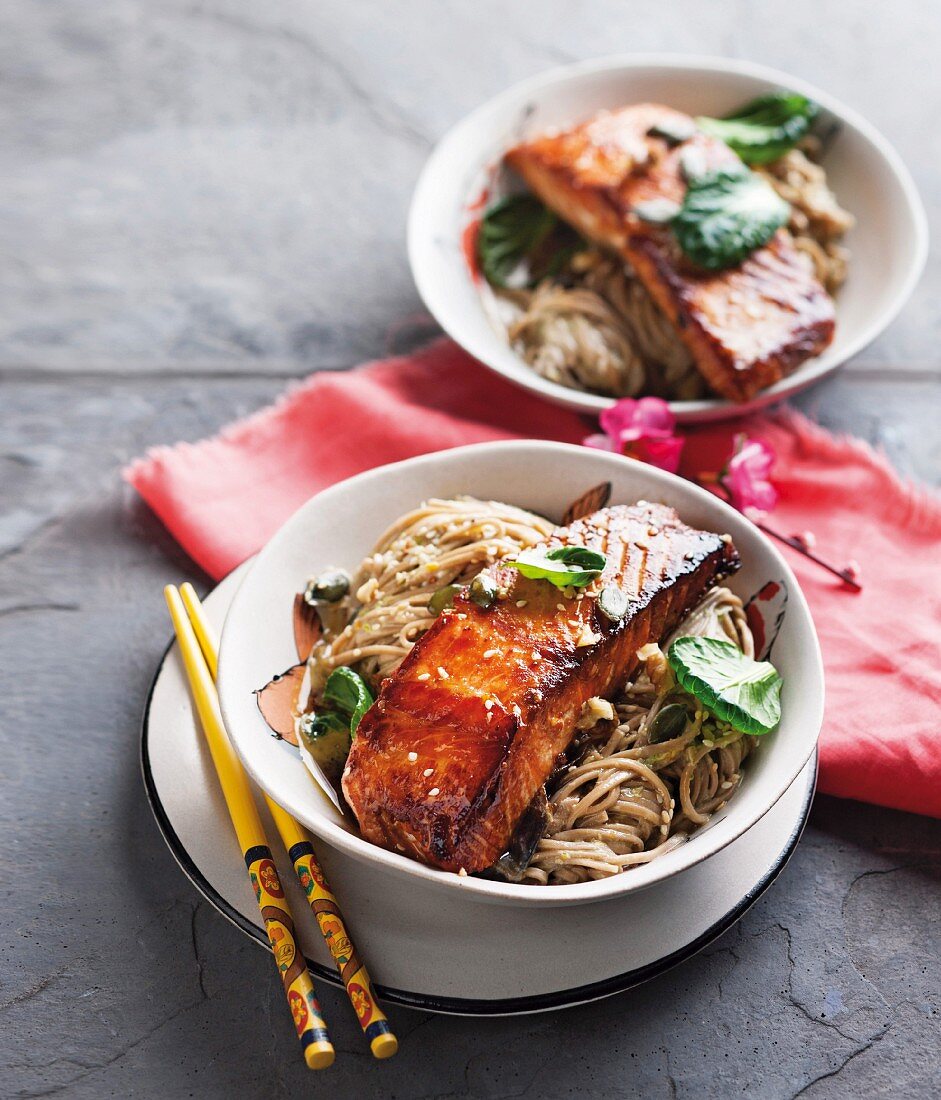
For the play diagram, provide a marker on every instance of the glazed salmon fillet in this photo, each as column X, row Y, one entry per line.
column 745, row 327
column 468, row 729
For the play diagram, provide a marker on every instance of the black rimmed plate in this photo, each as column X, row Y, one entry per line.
column 429, row 951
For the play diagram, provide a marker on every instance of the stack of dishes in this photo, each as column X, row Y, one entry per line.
column 626, row 826
column 431, row 934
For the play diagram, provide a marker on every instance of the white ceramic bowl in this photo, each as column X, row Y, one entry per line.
column 889, row 242
column 339, row 527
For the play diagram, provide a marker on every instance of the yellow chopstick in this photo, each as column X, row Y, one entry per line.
column 326, row 909
column 298, row 984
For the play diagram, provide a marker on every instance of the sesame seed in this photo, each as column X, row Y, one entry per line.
column 520, row 603
column 434, row 791
column 462, row 873
column 665, row 817
column 560, row 606
column 491, row 653
column 423, row 676
column 488, row 703
column 413, row 756
column 427, row 772
column 442, row 674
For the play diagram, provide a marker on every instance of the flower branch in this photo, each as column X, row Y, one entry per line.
column 645, row 429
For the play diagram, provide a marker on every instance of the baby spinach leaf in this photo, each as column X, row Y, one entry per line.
column 737, row 689
column 577, row 555
column 726, row 215
column 521, row 237
column 346, row 692
column 562, row 566
column 765, row 128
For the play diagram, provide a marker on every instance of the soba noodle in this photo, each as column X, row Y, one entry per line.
column 595, row 327
column 623, row 799
column 628, row 800
column 440, row 543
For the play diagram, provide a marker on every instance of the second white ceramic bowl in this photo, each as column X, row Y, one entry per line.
column 888, row 243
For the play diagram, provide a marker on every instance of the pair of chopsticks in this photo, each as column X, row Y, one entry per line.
column 199, row 649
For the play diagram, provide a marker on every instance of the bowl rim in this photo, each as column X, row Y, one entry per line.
column 232, row 695
column 685, row 411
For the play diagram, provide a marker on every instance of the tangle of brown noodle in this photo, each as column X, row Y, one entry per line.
column 439, row 543
column 597, row 328
column 627, row 801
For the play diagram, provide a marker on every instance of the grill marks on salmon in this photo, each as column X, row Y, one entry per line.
column 468, row 729
column 746, row 327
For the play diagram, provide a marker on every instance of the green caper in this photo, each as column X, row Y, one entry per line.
column 483, row 590
column 315, row 725
column 613, row 603
column 328, row 587
column 443, row 598
column 669, row 723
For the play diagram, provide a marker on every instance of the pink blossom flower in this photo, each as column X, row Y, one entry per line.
column 641, row 429
column 806, row 540
column 852, row 572
column 746, row 476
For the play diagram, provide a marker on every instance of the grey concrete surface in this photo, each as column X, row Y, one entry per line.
column 202, row 200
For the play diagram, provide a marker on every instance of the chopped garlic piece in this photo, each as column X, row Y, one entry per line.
column 586, row 637
column 366, row 592
column 658, row 670
column 594, row 710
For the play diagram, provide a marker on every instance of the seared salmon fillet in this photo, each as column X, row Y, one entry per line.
column 467, row 730
column 746, row 327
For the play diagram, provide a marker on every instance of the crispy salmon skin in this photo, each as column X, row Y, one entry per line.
column 746, row 327
column 467, row 730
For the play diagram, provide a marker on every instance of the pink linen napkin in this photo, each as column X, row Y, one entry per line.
column 224, row 497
